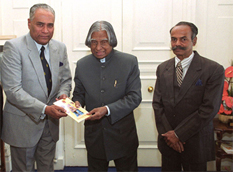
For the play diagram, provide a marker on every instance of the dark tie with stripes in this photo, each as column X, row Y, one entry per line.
column 179, row 73
column 47, row 72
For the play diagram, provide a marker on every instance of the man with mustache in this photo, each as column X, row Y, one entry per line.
column 187, row 97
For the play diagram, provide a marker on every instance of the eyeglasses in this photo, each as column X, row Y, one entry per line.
column 103, row 43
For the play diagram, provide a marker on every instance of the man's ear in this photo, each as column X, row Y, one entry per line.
column 29, row 23
column 194, row 41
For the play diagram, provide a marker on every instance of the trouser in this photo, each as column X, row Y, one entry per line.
column 126, row 163
column 177, row 164
column 23, row 159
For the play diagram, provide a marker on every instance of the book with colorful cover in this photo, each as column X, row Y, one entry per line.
column 78, row 114
column 227, row 147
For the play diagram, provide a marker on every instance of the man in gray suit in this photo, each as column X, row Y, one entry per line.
column 107, row 82
column 187, row 97
column 31, row 121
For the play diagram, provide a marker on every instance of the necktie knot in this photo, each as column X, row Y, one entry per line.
column 42, row 48
column 179, row 65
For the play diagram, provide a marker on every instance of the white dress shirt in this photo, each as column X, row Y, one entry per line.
column 185, row 63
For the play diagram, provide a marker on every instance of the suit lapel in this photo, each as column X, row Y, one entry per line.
column 169, row 79
column 191, row 76
column 54, row 65
column 36, row 62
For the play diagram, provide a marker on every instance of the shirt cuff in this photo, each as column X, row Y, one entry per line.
column 42, row 116
column 108, row 111
column 176, row 135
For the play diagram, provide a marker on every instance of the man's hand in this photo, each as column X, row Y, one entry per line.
column 97, row 113
column 173, row 141
column 63, row 96
column 55, row 111
column 77, row 104
column 178, row 147
column 170, row 137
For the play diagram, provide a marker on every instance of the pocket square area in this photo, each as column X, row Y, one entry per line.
column 198, row 83
column 60, row 64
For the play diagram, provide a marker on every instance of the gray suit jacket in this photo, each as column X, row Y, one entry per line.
column 115, row 83
column 24, row 84
column 191, row 113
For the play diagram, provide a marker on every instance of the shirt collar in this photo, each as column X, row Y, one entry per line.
column 185, row 61
column 39, row 46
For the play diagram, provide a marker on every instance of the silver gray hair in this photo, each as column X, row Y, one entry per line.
column 102, row 25
column 43, row 6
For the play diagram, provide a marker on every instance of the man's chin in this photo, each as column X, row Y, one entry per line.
column 100, row 56
column 179, row 51
column 43, row 41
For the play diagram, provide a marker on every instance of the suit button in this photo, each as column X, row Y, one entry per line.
column 102, row 67
column 104, row 78
column 102, row 91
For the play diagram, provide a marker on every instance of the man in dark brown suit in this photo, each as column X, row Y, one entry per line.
column 185, row 102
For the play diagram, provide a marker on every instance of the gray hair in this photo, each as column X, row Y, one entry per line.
column 192, row 26
column 43, row 6
column 102, row 25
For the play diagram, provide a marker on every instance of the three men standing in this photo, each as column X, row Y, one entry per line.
column 187, row 97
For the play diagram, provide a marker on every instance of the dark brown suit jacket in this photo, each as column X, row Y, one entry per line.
column 191, row 112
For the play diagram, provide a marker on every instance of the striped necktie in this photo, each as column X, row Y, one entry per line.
column 47, row 72
column 179, row 73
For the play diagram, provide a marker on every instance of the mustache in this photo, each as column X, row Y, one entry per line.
column 178, row 47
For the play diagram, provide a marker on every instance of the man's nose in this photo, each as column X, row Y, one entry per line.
column 45, row 29
column 98, row 46
column 177, row 42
